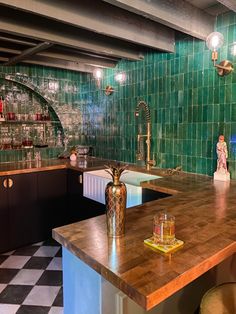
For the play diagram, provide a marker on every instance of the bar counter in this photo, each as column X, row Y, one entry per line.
column 205, row 212
column 81, row 164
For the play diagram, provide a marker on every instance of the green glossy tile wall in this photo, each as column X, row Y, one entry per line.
column 190, row 106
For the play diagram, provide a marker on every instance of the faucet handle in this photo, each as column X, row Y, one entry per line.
column 152, row 162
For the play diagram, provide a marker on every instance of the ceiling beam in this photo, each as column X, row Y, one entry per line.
column 28, row 52
column 230, row 4
column 69, row 56
column 17, row 41
column 76, row 57
column 11, row 51
column 62, row 64
column 177, row 14
column 65, row 35
column 54, row 64
column 99, row 17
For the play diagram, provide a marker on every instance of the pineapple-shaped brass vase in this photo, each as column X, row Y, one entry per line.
column 115, row 197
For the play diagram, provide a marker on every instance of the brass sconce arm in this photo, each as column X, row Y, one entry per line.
column 224, row 67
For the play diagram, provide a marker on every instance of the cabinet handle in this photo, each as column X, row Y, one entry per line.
column 10, row 183
column 81, row 179
column 5, row 183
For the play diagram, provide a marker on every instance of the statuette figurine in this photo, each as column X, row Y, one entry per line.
column 221, row 172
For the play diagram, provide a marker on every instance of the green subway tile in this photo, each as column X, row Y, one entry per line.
column 233, row 112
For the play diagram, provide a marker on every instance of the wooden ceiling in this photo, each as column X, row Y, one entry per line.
column 81, row 35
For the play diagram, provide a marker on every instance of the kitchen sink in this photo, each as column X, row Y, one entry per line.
column 95, row 183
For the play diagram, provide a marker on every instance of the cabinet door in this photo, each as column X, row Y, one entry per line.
column 80, row 207
column 52, row 189
column 24, row 215
column 74, row 183
column 4, row 216
column 75, row 194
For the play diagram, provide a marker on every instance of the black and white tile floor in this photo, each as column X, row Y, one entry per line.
column 31, row 280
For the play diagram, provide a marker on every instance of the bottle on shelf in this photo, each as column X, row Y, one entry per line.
column 1, row 110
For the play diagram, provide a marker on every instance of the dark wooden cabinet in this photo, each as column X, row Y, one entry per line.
column 4, row 216
column 23, row 209
column 52, row 200
column 18, row 211
column 32, row 204
column 80, row 207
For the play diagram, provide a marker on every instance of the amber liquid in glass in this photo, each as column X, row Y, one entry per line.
column 164, row 229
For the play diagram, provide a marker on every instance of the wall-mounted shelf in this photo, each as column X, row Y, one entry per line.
column 29, row 122
column 26, row 102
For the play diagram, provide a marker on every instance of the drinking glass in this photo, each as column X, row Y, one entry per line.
column 164, row 229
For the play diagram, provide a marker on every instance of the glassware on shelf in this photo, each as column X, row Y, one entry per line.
column 59, row 142
column 50, row 138
column 37, row 156
column 6, row 141
column 11, row 116
column 46, row 115
column 28, row 120
column 27, row 141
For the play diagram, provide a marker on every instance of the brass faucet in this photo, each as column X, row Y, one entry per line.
column 149, row 162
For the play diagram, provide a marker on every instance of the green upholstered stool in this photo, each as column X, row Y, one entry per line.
column 220, row 300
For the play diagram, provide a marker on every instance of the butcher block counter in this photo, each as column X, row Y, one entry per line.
column 205, row 213
column 81, row 164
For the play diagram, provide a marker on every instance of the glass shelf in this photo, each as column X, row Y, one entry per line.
column 29, row 122
column 23, row 148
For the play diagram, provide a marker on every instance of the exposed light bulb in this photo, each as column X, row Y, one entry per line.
column 214, row 41
column 120, row 77
column 97, row 73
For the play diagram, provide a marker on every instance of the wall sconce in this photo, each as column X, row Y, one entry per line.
column 214, row 41
column 109, row 90
column 120, row 77
column 97, row 74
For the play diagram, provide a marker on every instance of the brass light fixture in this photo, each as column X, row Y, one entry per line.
column 109, row 90
column 214, row 41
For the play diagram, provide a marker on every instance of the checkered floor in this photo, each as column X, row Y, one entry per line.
column 31, row 280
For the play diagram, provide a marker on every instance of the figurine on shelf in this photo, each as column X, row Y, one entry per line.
column 221, row 173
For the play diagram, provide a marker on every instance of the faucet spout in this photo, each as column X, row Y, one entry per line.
column 143, row 105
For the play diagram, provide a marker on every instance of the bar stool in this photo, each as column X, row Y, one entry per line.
column 219, row 300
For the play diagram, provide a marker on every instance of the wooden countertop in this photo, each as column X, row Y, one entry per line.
column 205, row 221
column 81, row 164
column 205, row 212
